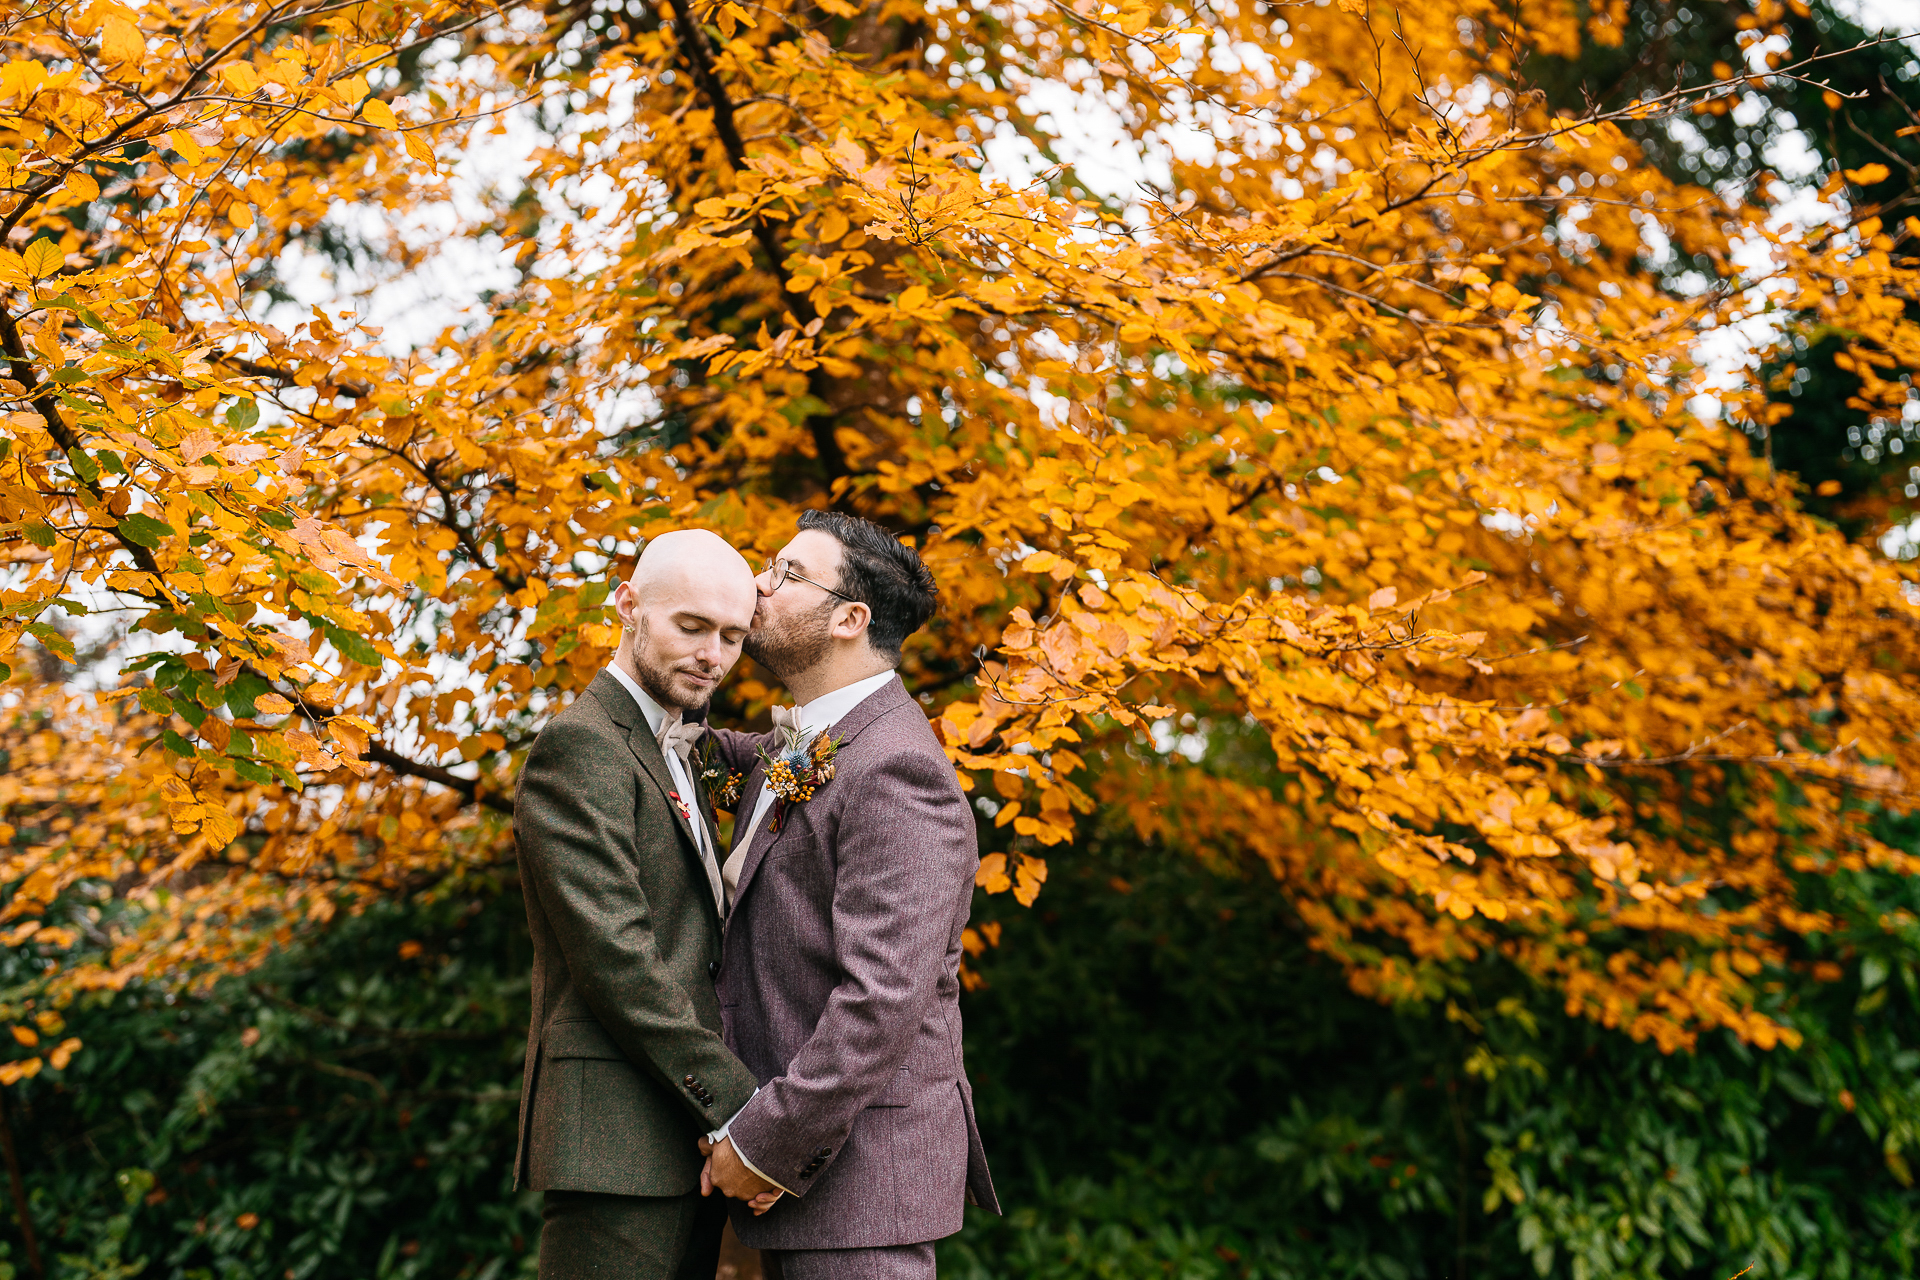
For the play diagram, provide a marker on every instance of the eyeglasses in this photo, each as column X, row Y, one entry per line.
column 780, row 570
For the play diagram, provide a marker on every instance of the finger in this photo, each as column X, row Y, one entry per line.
column 706, row 1178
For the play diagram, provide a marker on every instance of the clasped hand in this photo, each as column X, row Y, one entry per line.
column 727, row 1172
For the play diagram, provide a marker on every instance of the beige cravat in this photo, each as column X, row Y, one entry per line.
column 679, row 738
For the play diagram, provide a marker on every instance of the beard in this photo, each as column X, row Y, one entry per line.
column 662, row 683
column 786, row 649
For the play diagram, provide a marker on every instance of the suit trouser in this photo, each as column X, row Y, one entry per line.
column 894, row 1262
column 589, row 1235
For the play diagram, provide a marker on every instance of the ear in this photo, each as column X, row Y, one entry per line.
column 850, row 621
column 624, row 605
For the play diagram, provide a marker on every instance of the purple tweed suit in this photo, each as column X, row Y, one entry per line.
column 839, row 988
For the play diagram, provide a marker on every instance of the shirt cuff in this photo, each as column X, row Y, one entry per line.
column 714, row 1139
column 721, row 1132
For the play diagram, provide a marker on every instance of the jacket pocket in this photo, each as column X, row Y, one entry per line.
column 782, row 847
column 898, row 1093
column 579, row 1038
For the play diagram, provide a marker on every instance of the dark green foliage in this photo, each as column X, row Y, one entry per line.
column 1171, row 1085
column 1176, row 1086
column 358, row 1101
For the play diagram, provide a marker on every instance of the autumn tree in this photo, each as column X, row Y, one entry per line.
column 1374, row 415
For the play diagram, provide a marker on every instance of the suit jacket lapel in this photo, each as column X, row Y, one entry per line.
column 844, row 730
column 646, row 749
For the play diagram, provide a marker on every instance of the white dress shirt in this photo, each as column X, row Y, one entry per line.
column 817, row 716
column 657, row 716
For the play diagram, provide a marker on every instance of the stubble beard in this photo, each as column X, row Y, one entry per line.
column 658, row 681
column 786, row 651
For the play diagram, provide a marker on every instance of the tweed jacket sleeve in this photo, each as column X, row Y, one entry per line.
column 738, row 751
column 578, row 847
column 904, row 850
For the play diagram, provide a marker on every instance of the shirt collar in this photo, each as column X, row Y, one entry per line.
column 655, row 713
column 824, row 711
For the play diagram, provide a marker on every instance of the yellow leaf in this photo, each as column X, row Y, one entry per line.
column 82, row 186
column 1031, row 874
column 240, row 215
column 121, row 41
column 992, row 875
column 12, row 1072
column 1868, row 174
column 240, row 77
column 417, row 147
column 379, row 114
column 26, row 1036
column 43, row 258
column 1383, row 598
column 273, row 704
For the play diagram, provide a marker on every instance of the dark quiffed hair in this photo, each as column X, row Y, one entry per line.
column 883, row 573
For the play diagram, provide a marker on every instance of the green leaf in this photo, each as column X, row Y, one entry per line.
column 1873, row 972
column 145, row 531
column 40, row 534
column 55, row 643
column 110, row 462
column 243, row 414
column 6, row 672
column 177, row 744
column 155, row 701
column 241, row 694
column 83, row 465
column 254, row 771
column 354, row 648
column 187, row 709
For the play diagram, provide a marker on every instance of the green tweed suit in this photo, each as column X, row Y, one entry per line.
column 625, row 1063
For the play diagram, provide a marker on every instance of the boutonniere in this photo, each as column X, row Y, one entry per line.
column 723, row 785
column 798, row 767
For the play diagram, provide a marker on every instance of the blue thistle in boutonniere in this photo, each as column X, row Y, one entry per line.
column 801, row 763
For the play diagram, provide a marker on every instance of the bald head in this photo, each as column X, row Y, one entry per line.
column 685, row 611
column 690, row 559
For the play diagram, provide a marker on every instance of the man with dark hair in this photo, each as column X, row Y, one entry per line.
column 850, row 879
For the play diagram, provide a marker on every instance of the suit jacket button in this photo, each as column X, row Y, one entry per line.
column 713, row 968
column 823, row 1153
column 687, row 1081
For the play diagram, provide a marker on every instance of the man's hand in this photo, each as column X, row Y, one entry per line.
column 725, row 1170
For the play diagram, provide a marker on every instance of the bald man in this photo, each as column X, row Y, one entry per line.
column 626, row 1068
